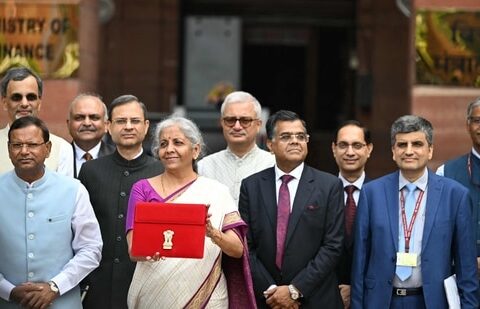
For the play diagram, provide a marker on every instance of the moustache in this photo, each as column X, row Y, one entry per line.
column 87, row 130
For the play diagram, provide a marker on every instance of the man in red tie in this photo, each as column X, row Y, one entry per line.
column 351, row 149
column 295, row 215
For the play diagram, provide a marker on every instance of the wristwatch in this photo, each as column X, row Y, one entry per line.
column 53, row 287
column 294, row 294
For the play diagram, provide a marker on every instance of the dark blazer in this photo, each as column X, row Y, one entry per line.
column 314, row 236
column 105, row 149
column 344, row 267
column 447, row 239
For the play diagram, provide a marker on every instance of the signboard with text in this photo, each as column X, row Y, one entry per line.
column 448, row 48
column 40, row 34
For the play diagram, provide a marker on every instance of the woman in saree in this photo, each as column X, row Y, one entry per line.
column 221, row 279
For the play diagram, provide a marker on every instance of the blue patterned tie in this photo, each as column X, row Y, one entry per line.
column 404, row 272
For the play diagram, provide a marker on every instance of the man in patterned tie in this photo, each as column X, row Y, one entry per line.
column 411, row 227
column 295, row 223
column 87, row 124
column 351, row 149
column 241, row 122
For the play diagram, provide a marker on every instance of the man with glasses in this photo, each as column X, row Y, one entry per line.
column 351, row 149
column 87, row 124
column 413, row 230
column 466, row 169
column 108, row 180
column 241, row 123
column 21, row 91
column 50, row 238
column 295, row 223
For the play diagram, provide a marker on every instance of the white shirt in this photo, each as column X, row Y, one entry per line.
column 79, row 152
column 292, row 185
column 357, row 183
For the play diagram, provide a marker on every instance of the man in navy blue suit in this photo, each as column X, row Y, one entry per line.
column 411, row 227
column 294, row 239
column 351, row 148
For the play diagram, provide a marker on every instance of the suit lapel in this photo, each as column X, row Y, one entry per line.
column 391, row 194
column 74, row 160
column 434, row 188
column 268, row 194
column 304, row 191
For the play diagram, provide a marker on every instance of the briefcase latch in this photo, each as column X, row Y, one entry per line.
column 168, row 239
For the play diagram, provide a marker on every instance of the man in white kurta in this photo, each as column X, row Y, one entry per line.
column 21, row 95
column 241, row 123
column 50, row 237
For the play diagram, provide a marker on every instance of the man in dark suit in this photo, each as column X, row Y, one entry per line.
column 351, row 149
column 466, row 168
column 109, row 180
column 294, row 243
column 411, row 227
column 87, row 124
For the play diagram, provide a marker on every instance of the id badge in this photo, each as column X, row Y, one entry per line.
column 407, row 259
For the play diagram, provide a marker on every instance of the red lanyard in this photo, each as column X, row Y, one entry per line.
column 407, row 231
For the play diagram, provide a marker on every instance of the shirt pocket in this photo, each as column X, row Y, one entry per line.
column 55, row 219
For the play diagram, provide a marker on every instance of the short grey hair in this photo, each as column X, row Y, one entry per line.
column 471, row 107
column 88, row 95
column 409, row 124
column 188, row 127
column 242, row 97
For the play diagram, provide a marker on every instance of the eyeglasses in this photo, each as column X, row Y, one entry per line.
column 124, row 121
column 30, row 146
column 288, row 137
column 474, row 120
column 245, row 122
column 17, row 97
column 345, row 145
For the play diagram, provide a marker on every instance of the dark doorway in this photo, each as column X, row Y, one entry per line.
column 275, row 75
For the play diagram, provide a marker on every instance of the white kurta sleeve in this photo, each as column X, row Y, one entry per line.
column 86, row 244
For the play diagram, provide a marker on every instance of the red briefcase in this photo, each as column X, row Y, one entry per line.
column 174, row 230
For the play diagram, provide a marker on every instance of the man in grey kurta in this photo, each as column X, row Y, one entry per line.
column 50, row 239
column 109, row 180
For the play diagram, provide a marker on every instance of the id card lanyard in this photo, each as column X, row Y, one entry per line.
column 407, row 230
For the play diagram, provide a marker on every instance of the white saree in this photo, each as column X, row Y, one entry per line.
column 187, row 283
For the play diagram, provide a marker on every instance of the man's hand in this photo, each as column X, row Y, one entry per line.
column 345, row 293
column 37, row 295
column 20, row 292
column 478, row 266
column 279, row 298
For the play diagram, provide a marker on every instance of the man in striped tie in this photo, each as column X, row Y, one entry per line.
column 413, row 230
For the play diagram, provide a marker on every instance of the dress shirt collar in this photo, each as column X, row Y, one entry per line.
column 296, row 172
column 475, row 153
column 420, row 182
column 79, row 152
column 357, row 183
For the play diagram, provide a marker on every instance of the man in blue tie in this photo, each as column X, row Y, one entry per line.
column 411, row 227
